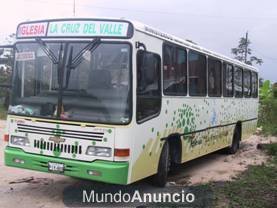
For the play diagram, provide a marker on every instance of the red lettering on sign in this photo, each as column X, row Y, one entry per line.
column 31, row 30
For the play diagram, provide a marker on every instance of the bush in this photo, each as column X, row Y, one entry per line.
column 274, row 90
column 268, row 108
column 271, row 149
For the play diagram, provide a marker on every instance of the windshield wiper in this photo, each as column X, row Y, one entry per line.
column 61, row 66
column 47, row 51
column 74, row 62
column 60, row 61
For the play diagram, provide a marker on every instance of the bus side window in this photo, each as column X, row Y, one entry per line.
column 228, row 81
column 167, row 58
column 174, row 70
column 246, row 83
column 197, row 74
column 254, row 85
column 238, row 82
column 148, row 85
column 214, row 79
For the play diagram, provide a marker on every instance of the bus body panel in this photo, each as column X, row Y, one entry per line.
column 204, row 125
column 146, row 136
column 103, row 170
column 53, row 138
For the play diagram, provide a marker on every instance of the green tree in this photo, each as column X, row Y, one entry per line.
column 10, row 39
column 268, row 108
column 6, row 64
column 243, row 51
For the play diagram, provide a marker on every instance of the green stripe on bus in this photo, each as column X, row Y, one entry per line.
column 111, row 172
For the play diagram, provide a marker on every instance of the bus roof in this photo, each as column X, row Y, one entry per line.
column 171, row 38
column 43, row 28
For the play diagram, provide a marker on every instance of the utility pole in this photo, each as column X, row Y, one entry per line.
column 246, row 47
column 73, row 8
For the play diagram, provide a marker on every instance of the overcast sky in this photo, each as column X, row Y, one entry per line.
column 214, row 24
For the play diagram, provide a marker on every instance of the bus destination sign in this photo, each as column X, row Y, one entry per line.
column 32, row 30
column 74, row 28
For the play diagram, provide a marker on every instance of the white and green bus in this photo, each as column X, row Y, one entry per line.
column 117, row 101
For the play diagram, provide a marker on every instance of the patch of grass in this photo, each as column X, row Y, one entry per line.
column 255, row 188
column 3, row 112
column 271, row 149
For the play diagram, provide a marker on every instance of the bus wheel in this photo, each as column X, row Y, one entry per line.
column 235, row 143
column 160, row 178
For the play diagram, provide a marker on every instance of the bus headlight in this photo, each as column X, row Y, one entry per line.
column 20, row 141
column 99, row 151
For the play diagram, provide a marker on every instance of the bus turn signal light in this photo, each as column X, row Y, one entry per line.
column 121, row 152
column 6, row 138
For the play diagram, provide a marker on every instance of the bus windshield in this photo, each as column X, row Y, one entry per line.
column 95, row 83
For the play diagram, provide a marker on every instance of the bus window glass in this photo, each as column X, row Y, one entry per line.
column 148, row 85
column 214, row 77
column 95, row 89
column 197, row 74
column 168, row 56
column 254, row 85
column 246, row 83
column 174, row 70
column 228, row 80
column 238, row 82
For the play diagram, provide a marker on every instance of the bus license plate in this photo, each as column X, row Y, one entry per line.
column 55, row 167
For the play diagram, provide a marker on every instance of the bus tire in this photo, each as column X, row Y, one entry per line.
column 160, row 178
column 233, row 148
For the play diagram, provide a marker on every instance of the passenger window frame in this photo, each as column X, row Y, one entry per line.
column 174, row 61
column 156, row 114
column 250, row 82
column 220, row 77
column 205, row 74
column 236, row 68
column 224, row 92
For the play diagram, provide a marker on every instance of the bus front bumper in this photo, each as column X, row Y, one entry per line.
column 107, row 171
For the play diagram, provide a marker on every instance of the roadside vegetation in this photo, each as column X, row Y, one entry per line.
column 3, row 112
column 255, row 188
column 268, row 108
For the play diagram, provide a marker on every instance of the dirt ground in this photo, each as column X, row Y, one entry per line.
column 222, row 167
column 27, row 188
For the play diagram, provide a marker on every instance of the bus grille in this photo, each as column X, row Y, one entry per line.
column 62, row 148
column 86, row 135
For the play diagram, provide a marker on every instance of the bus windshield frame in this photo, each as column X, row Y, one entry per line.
column 85, row 84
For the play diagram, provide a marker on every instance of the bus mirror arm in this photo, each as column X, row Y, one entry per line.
column 140, row 44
